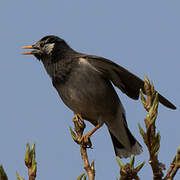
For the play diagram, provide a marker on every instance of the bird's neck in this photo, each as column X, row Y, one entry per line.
column 60, row 66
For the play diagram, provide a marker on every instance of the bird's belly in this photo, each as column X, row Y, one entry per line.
column 89, row 95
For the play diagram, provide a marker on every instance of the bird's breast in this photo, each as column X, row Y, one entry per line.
column 86, row 91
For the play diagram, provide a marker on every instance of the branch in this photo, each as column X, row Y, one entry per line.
column 3, row 175
column 30, row 162
column 128, row 171
column 84, row 144
column 174, row 166
column 151, row 137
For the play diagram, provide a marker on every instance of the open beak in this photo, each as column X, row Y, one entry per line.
column 28, row 52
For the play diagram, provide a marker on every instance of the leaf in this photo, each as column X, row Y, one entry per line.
column 143, row 99
column 141, row 131
column 152, row 121
column 18, row 177
column 146, row 79
column 3, row 175
column 119, row 162
column 73, row 134
column 131, row 163
column 139, row 167
column 81, row 176
column 178, row 156
column 152, row 89
column 27, row 154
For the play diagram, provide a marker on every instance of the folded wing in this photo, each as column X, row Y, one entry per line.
column 127, row 82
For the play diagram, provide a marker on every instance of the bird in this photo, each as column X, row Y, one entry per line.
column 85, row 85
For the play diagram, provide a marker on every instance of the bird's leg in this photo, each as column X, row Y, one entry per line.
column 77, row 117
column 80, row 121
column 84, row 143
column 85, row 139
column 88, row 135
column 79, row 127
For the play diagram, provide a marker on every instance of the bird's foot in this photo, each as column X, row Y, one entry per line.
column 85, row 141
column 77, row 119
column 79, row 128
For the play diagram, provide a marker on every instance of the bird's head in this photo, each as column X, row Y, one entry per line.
column 46, row 47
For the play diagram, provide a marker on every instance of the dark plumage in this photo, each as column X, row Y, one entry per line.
column 84, row 83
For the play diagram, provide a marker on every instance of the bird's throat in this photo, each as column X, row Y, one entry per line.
column 59, row 70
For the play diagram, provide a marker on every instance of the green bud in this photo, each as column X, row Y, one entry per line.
column 3, row 175
column 18, row 177
column 73, row 134
column 81, row 176
column 139, row 167
column 119, row 162
column 131, row 163
column 141, row 131
column 143, row 99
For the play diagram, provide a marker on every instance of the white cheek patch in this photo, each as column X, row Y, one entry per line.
column 49, row 48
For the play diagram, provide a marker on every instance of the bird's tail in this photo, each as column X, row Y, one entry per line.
column 123, row 141
column 123, row 152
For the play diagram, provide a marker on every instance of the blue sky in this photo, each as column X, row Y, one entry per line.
column 142, row 36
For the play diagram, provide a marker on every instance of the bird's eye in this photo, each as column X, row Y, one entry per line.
column 42, row 44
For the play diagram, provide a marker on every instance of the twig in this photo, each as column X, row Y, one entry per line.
column 3, row 175
column 84, row 143
column 89, row 168
column 18, row 177
column 174, row 166
column 128, row 171
column 30, row 162
column 171, row 167
column 151, row 138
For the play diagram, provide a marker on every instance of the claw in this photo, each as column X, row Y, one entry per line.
column 83, row 141
column 86, row 142
column 77, row 118
column 79, row 128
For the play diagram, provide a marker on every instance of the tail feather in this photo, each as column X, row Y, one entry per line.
column 122, row 151
column 123, row 141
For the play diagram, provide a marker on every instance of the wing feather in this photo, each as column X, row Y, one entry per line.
column 126, row 81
